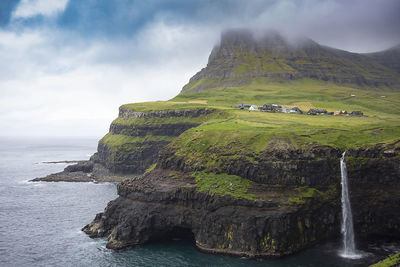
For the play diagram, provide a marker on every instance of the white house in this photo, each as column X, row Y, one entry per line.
column 253, row 107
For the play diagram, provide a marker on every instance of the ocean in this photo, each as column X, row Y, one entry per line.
column 40, row 222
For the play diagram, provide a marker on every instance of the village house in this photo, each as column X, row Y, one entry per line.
column 292, row 110
column 295, row 110
column 253, row 108
column 356, row 113
column 242, row 106
column 317, row 112
column 340, row 113
column 271, row 108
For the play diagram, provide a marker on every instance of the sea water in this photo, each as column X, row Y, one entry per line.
column 40, row 222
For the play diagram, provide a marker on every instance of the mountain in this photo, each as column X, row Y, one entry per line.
column 242, row 55
column 389, row 58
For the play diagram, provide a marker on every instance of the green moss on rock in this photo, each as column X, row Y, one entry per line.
column 393, row 260
column 223, row 184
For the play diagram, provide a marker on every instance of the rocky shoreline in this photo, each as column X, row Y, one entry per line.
column 280, row 219
column 291, row 199
column 83, row 171
column 154, row 207
column 279, row 201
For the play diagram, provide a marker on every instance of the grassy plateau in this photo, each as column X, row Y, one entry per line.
column 229, row 132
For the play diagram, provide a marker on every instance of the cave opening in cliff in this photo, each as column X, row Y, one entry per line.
column 178, row 233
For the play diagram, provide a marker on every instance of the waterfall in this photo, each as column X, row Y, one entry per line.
column 349, row 246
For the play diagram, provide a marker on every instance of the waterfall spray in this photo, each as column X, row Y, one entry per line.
column 349, row 247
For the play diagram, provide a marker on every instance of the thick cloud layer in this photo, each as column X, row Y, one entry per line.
column 68, row 64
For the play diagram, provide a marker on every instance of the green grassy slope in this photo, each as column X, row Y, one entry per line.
column 230, row 132
column 239, row 130
column 241, row 57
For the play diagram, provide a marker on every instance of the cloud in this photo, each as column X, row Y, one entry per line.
column 31, row 8
column 53, row 77
column 68, row 74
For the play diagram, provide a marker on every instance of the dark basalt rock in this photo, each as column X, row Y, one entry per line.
column 314, row 166
column 134, row 159
column 86, row 166
column 157, row 206
column 143, row 130
column 153, row 206
column 129, row 113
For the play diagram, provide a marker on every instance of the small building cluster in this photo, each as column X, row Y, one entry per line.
column 295, row 110
column 344, row 113
column 319, row 112
column 270, row 108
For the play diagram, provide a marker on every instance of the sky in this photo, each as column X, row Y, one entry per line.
column 67, row 65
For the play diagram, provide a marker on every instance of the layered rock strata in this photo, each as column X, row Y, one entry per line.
column 276, row 222
column 314, row 166
column 134, row 141
column 132, row 144
column 155, row 206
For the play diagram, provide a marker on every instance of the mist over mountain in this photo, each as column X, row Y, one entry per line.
column 389, row 57
column 243, row 54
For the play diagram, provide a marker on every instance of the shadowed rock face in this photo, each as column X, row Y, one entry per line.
column 134, row 161
column 153, row 206
column 128, row 113
column 315, row 166
column 160, row 129
column 389, row 58
column 136, row 156
column 242, row 55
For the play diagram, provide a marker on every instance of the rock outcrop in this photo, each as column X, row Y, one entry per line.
column 315, row 166
column 156, row 206
column 132, row 144
column 281, row 218
column 136, row 137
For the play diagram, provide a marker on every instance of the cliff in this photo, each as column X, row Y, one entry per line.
column 247, row 182
column 265, row 218
column 136, row 137
column 133, row 143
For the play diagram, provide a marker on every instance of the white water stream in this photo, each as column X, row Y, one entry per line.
column 349, row 246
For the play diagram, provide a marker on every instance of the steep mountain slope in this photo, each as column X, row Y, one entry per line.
column 389, row 58
column 241, row 56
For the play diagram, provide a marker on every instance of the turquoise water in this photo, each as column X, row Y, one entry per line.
column 40, row 222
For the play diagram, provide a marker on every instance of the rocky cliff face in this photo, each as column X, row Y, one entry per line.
column 242, row 55
column 134, row 140
column 389, row 58
column 375, row 190
column 278, row 220
column 132, row 145
column 155, row 206
column 315, row 166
